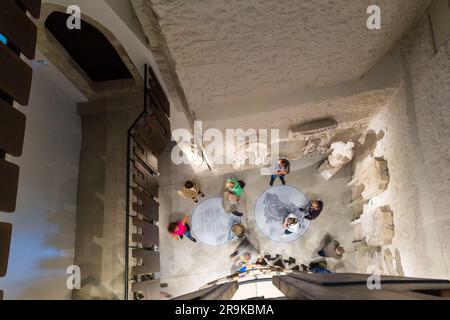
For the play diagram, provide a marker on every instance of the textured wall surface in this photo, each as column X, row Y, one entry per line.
column 430, row 76
column 416, row 127
column 227, row 50
column 419, row 248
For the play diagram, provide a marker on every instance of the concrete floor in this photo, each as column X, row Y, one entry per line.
column 187, row 266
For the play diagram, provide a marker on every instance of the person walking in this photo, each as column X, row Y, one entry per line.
column 180, row 229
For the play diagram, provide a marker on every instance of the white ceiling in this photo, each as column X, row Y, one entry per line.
column 228, row 50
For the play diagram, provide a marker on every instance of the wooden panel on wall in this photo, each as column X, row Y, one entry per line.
column 12, row 129
column 143, row 154
column 143, row 178
column 145, row 205
column 15, row 75
column 9, row 182
column 160, row 117
column 161, row 120
column 33, row 6
column 157, row 93
column 18, row 28
column 149, row 262
column 152, row 136
column 5, row 244
column 157, row 140
column 149, row 137
column 148, row 235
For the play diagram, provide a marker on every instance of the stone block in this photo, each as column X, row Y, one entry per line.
column 377, row 226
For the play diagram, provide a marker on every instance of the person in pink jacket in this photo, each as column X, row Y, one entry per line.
column 180, row 229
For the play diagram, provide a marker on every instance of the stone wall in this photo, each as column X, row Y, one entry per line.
column 100, row 235
column 430, row 81
column 413, row 134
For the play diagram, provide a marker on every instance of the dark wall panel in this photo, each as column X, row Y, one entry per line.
column 148, row 262
column 146, row 205
column 15, row 75
column 148, row 138
column 18, row 28
column 12, row 129
column 5, row 244
column 15, row 84
column 33, row 6
column 8, row 185
column 148, row 233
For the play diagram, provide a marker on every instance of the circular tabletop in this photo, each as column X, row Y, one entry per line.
column 211, row 224
column 274, row 206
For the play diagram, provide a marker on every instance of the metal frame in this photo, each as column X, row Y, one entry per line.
column 127, row 218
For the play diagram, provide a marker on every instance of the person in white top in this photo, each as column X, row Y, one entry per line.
column 291, row 224
column 342, row 153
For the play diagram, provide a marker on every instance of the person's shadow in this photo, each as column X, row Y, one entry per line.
column 325, row 240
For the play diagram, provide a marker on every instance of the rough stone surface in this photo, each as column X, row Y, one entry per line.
column 415, row 238
column 430, row 75
column 351, row 112
column 227, row 50
column 156, row 43
column 377, row 226
column 412, row 134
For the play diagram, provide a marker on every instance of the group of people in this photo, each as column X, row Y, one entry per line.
column 233, row 191
column 232, row 194
column 312, row 210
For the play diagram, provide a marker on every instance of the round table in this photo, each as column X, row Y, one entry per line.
column 210, row 224
column 272, row 208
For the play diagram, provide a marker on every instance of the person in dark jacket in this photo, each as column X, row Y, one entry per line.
column 313, row 210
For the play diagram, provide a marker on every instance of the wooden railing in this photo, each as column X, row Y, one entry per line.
column 15, row 85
